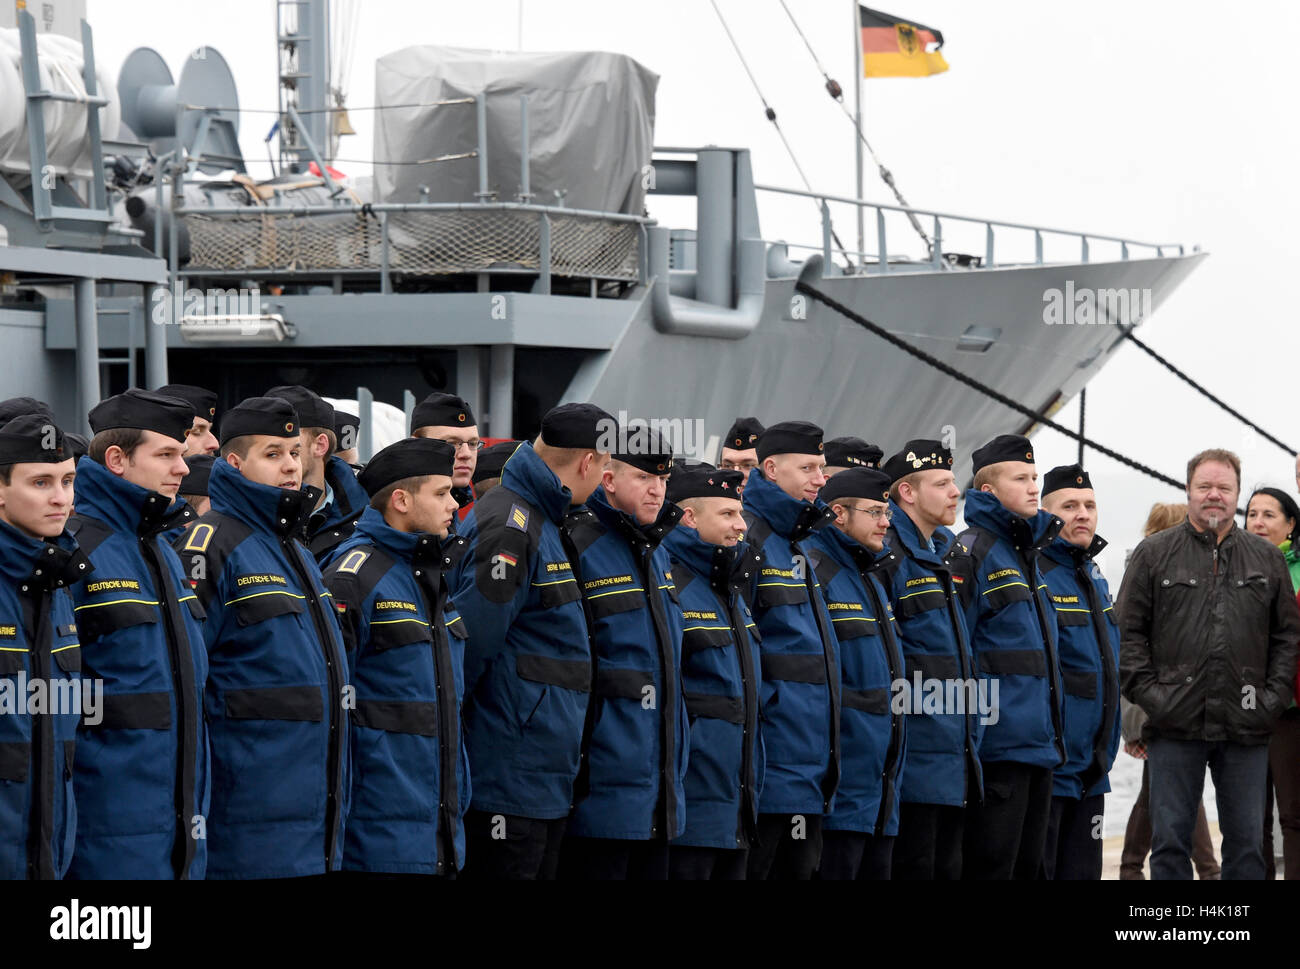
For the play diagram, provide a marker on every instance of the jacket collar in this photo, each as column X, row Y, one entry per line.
column 123, row 506
column 32, row 563
column 623, row 524
column 906, row 538
column 528, row 476
column 412, row 548
column 983, row 510
column 726, row 568
column 276, row 510
column 794, row 519
column 349, row 496
column 1067, row 553
column 1207, row 537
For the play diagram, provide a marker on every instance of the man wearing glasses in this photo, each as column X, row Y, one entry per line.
column 740, row 449
column 449, row 418
column 859, row 832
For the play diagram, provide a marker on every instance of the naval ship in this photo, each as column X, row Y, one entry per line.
column 506, row 250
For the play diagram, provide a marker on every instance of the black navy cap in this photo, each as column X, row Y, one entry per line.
column 870, row 483
column 18, row 406
column 645, row 449
column 744, row 434
column 1004, row 447
column 144, row 410
column 311, row 408
column 791, row 437
column 77, row 444
column 442, row 410
column 852, row 452
column 269, row 416
column 203, row 401
column 411, row 457
column 919, row 454
column 342, row 422
column 492, row 459
column 579, row 426
column 195, row 481
column 704, row 483
column 1065, row 476
column 32, row 439
column 688, row 464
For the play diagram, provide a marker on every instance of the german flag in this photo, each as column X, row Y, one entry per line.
column 893, row 47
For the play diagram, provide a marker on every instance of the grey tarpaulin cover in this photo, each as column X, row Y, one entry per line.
column 590, row 123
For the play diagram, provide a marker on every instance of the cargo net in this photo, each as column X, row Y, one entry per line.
column 420, row 243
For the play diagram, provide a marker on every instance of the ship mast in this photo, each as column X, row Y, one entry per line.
column 303, row 45
column 857, row 124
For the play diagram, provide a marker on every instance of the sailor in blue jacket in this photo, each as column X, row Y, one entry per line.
column 142, row 773
column 406, row 656
column 528, row 658
column 637, row 739
column 340, row 500
column 1088, row 651
column 277, row 692
column 721, row 668
column 1013, row 638
column 941, row 770
column 446, row 417
column 201, row 435
column 801, row 676
column 859, row 832
column 39, row 562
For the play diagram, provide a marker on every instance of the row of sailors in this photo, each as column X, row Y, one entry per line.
column 614, row 666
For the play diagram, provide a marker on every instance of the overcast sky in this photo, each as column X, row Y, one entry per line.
column 1161, row 121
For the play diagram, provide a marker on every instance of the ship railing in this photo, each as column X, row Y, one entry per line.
column 417, row 238
column 939, row 257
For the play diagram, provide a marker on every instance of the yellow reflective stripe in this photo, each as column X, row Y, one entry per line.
column 1108, row 609
column 797, row 585
column 273, row 592
column 1006, row 585
column 389, row 622
column 751, row 625
column 113, row 602
column 1069, row 609
column 557, row 581
column 69, row 646
column 918, row 592
column 452, row 622
column 616, row 592
column 186, row 598
column 668, row 586
column 689, row 628
column 14, row 649
column 853, row 619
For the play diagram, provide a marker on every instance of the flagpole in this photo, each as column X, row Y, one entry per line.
column 857, row 122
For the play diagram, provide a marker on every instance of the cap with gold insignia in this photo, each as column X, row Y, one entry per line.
column 790, row 437
column 645, row 449
column 1065, row 476
column 852, row 452
column 442, row 410
column 203, row 401
column 744, row 434
column 919, row 454
column 312, row 409
column 411, row 457
column 269, row 416
column 869, row 483
column 1004, row 447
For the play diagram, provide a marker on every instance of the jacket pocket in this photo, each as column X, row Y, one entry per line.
column 390, row 633
column 68, row 658
column 912, row 604
column 1005, row 593
column 397, row 716
column 570, row 674
column 854, row 627
column 797, row 668
column 11, row 661
column 622, row 684
column 781, row 594
column 276, row 703
column 1013, row 662
column 15, row 760
column 1080, row 683
column 705, row 637
column 100, row 619
column 134, row 711
column 728, row 708
column 606, row 604
column 260, row 607
column 867, row 701
column 1072, row 617
column 552, row 594
column 932, row 666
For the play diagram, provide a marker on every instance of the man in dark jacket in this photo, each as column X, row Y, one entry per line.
column 276, row 699
column 740, row 448
column 142, row 773
column 941, row 771
column 201, row 435
column 1208, row 632
column 1089, row 656
column 801, row 675
column 637, row 743
column 858, row 840
column 528, row 657
column 1013, row 638
column 446, row 417
column 405, row 646
column 712, row 568
column 39, row 562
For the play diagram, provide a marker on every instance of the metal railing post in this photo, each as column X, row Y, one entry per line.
column 1038, row 247
column 988, row 245
column 1084, row 250
column 936, row 249
column 826, row 239
column 480, row 110
column 882, row 245
column 385, row 280
column 525, row 189
column 544, row 256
